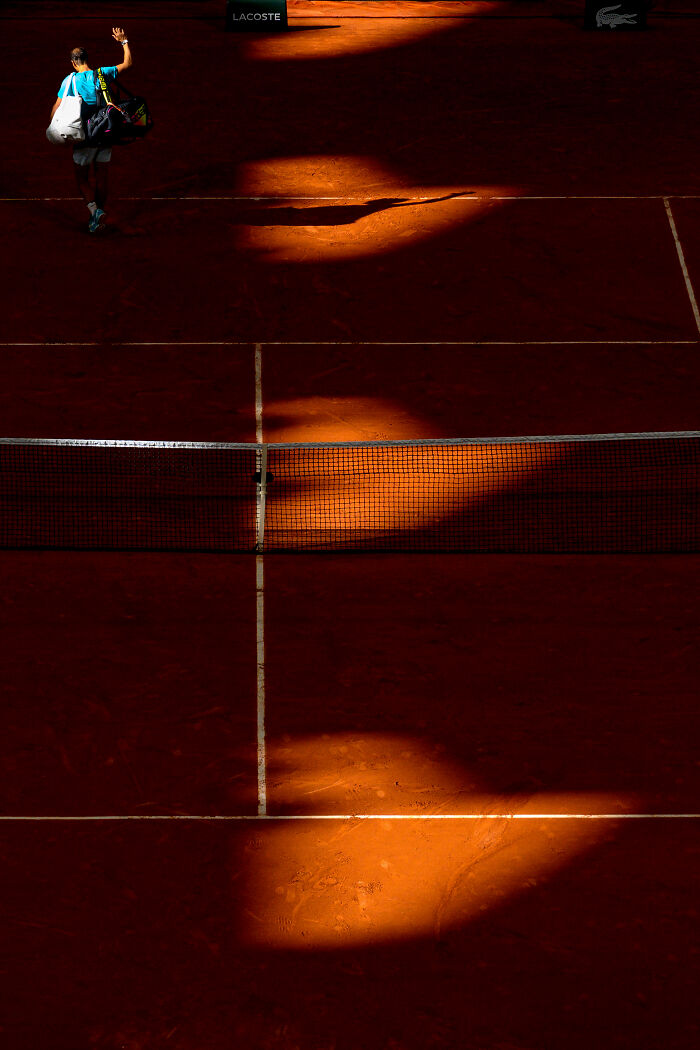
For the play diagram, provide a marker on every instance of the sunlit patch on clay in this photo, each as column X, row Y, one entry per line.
column 334, row 208
column 325, row 38
column 339, row 419
column 332, row 884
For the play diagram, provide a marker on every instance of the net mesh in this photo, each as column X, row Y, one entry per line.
column 126, row 497
column 603, row 493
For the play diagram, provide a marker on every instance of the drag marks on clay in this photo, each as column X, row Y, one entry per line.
column 372, row 882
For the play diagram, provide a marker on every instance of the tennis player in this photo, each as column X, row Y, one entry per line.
column 86, row 158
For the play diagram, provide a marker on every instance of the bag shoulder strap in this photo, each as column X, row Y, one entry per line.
column 71, row 86
column 108, row 100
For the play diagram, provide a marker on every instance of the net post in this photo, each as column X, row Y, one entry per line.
column 261, row 469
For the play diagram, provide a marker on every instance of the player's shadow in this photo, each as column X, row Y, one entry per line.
column 333, row 214
column 306, row 29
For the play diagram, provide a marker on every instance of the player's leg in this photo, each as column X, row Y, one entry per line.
column 102, row 159
column 102, row 177
column 82, row 175
column 83, row 156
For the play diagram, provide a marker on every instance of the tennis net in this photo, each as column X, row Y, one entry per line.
column 579, row 493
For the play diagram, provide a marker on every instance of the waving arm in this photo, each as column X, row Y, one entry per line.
column 120, row 36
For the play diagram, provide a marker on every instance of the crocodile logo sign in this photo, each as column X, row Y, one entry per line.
column 605, row 16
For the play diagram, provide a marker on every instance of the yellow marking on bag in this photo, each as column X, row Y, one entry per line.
column 105, row 89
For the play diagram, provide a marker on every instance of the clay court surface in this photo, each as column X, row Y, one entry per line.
column 453, row 800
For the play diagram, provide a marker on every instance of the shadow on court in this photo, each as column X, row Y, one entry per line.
column 333, row 214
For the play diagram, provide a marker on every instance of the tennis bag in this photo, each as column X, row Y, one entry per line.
column 66, row 127
column 116, row 123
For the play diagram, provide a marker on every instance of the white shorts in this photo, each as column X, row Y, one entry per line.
column 84, row 155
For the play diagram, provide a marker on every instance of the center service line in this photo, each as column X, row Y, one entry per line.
column 260, row 600
column 260, row 677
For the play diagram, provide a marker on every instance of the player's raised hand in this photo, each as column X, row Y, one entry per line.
column 119, row 35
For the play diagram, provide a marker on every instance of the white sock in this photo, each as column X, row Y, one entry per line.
column 92, row 207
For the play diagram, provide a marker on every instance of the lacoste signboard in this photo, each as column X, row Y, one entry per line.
column 256, row 16
column 605, row 15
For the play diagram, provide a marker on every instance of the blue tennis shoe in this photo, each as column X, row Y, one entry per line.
column 97, row 221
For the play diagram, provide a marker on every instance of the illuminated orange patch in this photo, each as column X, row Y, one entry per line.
column 385, row 489
column 310, row 231
column 339, row 419
column 325, row 38
column 333, row 208
column 333, row 884
column 313, row 175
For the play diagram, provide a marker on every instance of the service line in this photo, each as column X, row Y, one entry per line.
column 177, row 344
column 360, row 816
column 367, row 196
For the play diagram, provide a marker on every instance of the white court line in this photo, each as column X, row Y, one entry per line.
column 258, row 394
column 367, row 816
column 260, row 595
column 421, row 198
column 367, row 196
column 681, row 259
column 360, row 342
column 260, row 646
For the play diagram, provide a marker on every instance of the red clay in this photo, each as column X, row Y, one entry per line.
column 139, row 936
column 347, row 393
column 130, row 684
column 507, row 678
column 366, row 393
column 452, row 684
column 161, row 393
column 514, row 271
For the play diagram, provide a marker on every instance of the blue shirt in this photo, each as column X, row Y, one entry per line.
column 85, row 83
